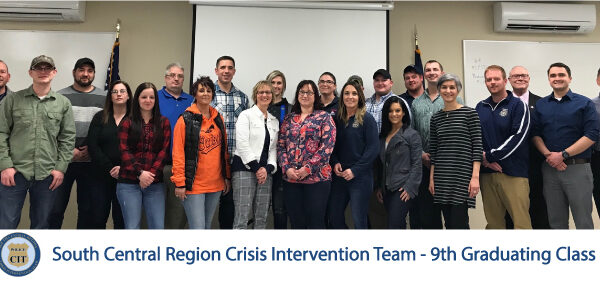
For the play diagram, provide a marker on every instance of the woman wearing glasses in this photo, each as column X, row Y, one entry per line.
column 355, row 150
column 144, row 139
column 456, row 153
column 103, row 147
column 255, row 159
column 328, row 91
column 306, row 141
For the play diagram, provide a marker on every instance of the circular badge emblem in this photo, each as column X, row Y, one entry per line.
column 19, row 254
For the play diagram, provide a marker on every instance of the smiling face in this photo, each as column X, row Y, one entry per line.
column 84, row 75
column 433, row 71
column 326, row 85
column 277, row 84
column 147, row 100
column 559, row 79
column 350, row 97
column 396, row 114
column 4, row 75
column 519, row 79
column 119, row 95
column 203, row 95
column 413, row 81
column 449, row 91
column 306, row 96
column 494, row 82
column 225, row 71
column 264, row 96
column 382, row 86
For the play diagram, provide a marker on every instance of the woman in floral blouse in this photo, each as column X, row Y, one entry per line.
column 306, row 140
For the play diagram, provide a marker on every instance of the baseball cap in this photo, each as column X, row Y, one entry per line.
column 84, row 61
column 411, row 68
column 382, row 72
column 42, row 59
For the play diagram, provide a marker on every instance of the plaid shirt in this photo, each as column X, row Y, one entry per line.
column 230, row 106
column 375, row 108
column 142, row 157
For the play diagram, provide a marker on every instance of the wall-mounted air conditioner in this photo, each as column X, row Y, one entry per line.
column 73, row 11
column 543, row 17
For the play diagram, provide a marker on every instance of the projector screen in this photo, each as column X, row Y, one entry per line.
column 302, row 43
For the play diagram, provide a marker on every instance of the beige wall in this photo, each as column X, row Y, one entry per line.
column 441, row 28
column 153, row 34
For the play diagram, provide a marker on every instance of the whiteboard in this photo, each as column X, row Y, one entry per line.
column 582, row 58
column 301, row 43
column 19, row 47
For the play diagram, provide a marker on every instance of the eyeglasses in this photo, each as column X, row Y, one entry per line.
column 173, row 75
column 519, row 76
column 302, row 93
column 43, row 68
column 122, row 91
column 329, row 82
column 264, row 93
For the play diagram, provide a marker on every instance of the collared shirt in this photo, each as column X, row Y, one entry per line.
column 172, row 108
column 409, row 98
column 147, row 154
column 596, row 102
column 36, row 135
column 230, row 106
column 422, row 109
column 375, row 107
column 562, row 123
column 524, row 97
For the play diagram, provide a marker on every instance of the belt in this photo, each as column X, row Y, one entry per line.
column 573, row 161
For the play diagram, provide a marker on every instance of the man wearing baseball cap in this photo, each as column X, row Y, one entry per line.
column 86, row 100
column 413, row 81
column 36, row 143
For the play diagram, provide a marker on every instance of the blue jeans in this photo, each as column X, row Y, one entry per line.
column 41, row 200
column 132, row 198
column 200, row 209
column 356, row 191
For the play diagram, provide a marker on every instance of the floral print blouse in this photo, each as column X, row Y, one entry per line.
column 307, row 143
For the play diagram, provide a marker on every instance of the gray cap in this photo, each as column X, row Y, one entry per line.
column 42, row 59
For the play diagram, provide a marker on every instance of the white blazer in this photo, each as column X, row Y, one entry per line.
column 250, row 136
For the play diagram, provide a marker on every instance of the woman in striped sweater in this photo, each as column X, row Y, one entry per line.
column 456, row 153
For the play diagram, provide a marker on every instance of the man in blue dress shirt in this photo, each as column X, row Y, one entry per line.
column 173, row 101
column 565, row 128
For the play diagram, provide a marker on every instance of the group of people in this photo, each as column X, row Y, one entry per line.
column 177, row 157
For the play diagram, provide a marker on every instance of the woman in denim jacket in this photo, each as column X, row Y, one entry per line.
column 399, row 163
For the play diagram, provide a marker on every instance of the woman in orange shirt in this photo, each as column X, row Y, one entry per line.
column 200, row 160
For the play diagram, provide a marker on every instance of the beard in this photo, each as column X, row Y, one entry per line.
column 84, row 84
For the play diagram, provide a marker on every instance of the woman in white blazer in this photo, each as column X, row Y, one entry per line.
column 255, row 159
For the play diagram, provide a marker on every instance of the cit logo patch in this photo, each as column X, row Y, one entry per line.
column 504, row 112
column 19, row 254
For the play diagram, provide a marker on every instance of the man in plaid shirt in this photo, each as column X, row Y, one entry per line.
column 230, row 102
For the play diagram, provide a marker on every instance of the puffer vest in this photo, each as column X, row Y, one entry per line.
column 193, row 123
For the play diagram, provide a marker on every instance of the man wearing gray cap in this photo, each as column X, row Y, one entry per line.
column 86, row 100
column 4, row 78
column 36, row 144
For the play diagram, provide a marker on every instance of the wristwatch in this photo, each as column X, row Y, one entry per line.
column 565, row 154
